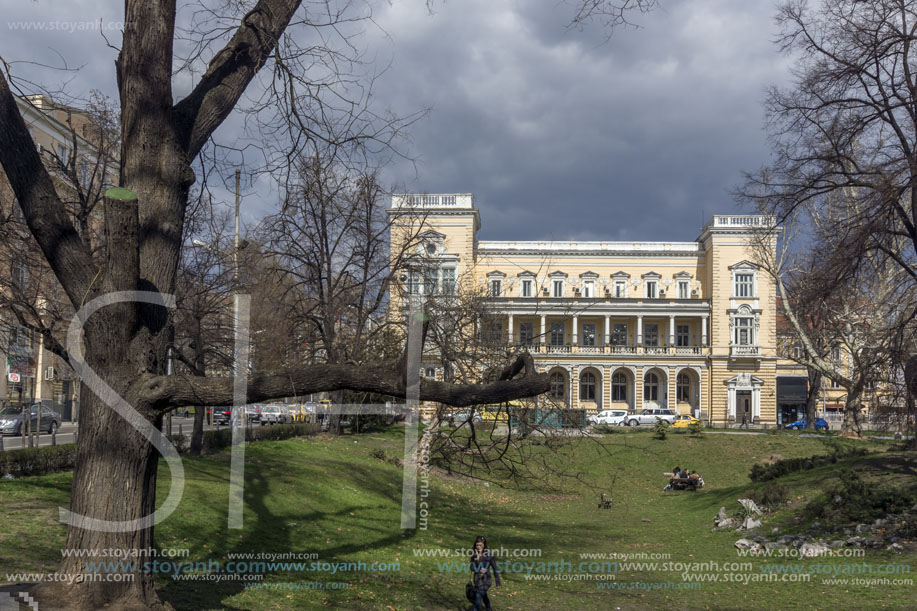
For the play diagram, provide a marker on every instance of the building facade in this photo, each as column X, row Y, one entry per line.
column 66, row 139
column 689, row 326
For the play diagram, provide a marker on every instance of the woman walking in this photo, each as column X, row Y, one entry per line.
column 482, row 561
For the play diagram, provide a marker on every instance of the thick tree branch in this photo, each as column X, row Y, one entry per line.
column 230, row 72
column 44, row 213
column 384, row 378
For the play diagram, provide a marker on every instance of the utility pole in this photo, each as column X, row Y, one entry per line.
column 236, row 305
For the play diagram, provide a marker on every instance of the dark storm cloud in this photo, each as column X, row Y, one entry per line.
column 562, row 136
column 559, row 133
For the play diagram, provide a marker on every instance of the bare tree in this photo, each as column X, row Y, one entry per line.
column 846, row 319
column 126, row 342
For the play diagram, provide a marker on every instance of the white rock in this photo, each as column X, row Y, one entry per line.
column 750, row 506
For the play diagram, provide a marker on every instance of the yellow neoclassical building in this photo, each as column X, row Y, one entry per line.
column 688, row 326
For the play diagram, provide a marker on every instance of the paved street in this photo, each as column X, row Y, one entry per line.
column 67, row 429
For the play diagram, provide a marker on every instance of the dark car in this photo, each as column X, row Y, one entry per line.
column 222, row 415
column 11, row 420
column 820, row 424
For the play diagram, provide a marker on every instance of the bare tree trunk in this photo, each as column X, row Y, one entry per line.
column 126, row 478
column 197, row 431
column 851, row 427
column 815, row 378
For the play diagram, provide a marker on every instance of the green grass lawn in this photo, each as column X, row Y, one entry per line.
column 333, row 498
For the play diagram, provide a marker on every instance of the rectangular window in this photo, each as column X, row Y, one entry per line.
column 20, row 275
column 650, row 334
column 527, row 287
column 589, row 288
column 429, row 282
column 414, row 283
column 681, row 335
column 558, row 290
column 683, row 292
column 835, row 384
column 493, row 332
column 63, row 153
column 557, row 334
column 619, row 387
column 744, row 285
column 589, row 334
column 620, row 289
column 496, row 288
column 651, row 289
column 526, row 333
column 619, row 334
column 85, row 174
column 744, row 332
column 448, row 284
column 682, row 389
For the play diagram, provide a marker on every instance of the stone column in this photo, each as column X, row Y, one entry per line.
column 638, row 332
column 607, row 331
column 671, row 330
column 703, row 334
column 543, row 338
column 509, row 328
column 574, row 342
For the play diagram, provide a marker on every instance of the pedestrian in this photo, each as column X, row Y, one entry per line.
column 482, row 561
column 744, row 421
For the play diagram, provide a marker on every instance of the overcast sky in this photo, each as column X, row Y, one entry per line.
column 558, row 133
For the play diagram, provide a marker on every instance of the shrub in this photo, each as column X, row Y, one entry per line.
column 38, row 461
column 771, row 495
column 607, row 429
column 660, row 429
column 763, row 473
column 697, row 428
column 853, row 499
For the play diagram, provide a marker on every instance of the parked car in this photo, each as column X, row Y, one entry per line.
column 684, row 421
column 500, row 412
column 613, row 417
column 221, row 415
column 272, row 414
column 253, row 413
column 294, row 413
column 650, row 416
column 461, row 416
column 11, row 421
column 820, row 424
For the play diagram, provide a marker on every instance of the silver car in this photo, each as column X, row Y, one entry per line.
column 272, row 414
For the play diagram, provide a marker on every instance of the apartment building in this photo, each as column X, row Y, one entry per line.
column 67, row 140
column 689, row 326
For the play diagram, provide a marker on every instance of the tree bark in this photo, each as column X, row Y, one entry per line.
column 815, row 378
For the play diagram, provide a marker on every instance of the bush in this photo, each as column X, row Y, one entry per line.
column 763, row 473
column 38, row 461
column 222, row 438
column 697, row 428
column 607, row 429
column 661, row 429
column 771, row 495
column 853, row 499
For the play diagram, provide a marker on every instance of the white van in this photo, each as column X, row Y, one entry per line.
column 613, row 417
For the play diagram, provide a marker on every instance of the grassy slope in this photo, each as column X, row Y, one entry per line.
column 330, row 496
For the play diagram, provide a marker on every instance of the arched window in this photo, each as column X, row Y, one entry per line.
column 587, row 387
column 683, row 387
column 651, row 387
column 558, row 386
column 619, row 387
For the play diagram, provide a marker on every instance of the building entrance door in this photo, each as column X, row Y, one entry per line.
column 743, row 403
